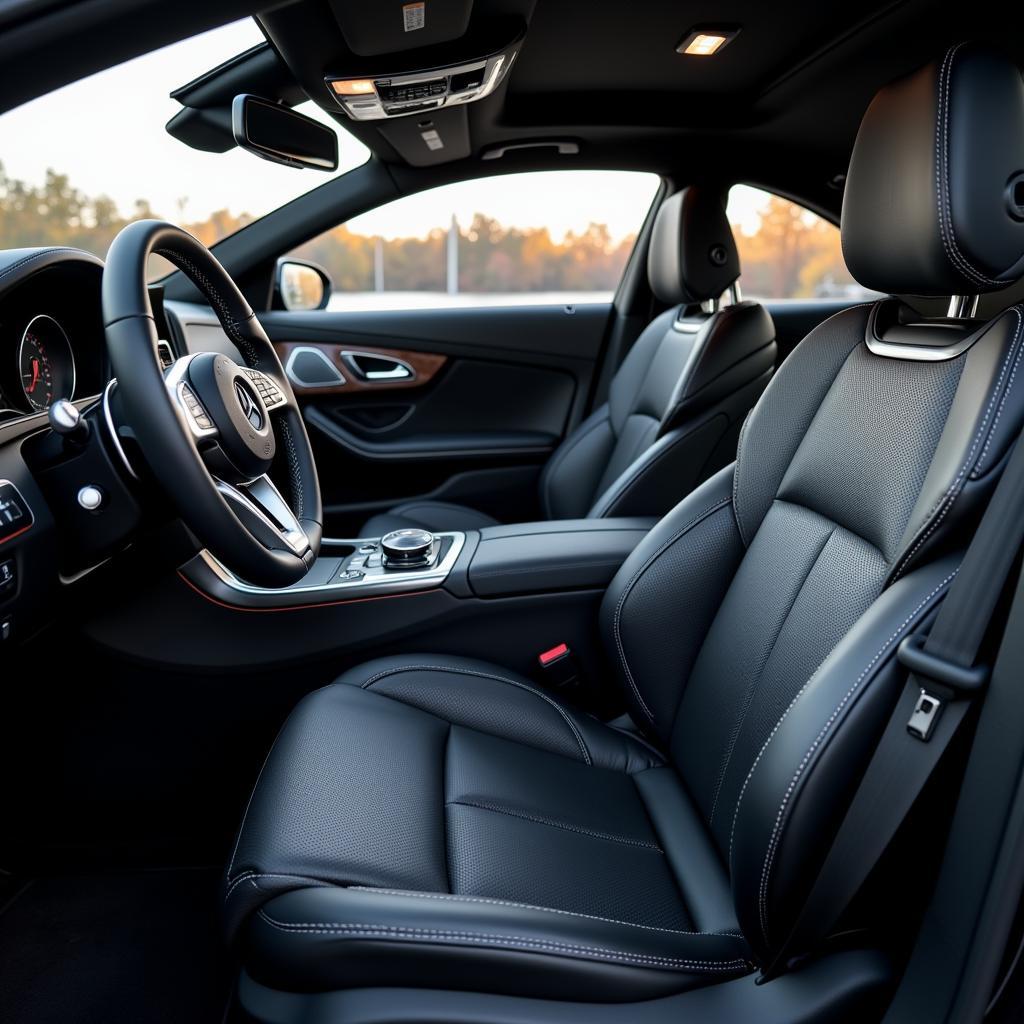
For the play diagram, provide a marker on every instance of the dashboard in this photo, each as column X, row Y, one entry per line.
column 51, row 339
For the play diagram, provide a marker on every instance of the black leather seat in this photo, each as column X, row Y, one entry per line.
column 675, row 405
column 430, row 821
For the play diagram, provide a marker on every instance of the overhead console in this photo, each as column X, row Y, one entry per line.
column 395, row 94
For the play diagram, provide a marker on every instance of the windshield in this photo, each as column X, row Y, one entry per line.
column 81, row 162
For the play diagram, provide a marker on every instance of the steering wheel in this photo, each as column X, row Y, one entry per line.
column 209, row 427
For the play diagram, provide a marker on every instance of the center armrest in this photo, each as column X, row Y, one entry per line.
column 569, row 554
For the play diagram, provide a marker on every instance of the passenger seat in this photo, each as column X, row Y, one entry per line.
column 675, row 405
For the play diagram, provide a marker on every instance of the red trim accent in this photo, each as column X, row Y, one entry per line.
column 17, row 533
column 298, row 607
column 547, row 657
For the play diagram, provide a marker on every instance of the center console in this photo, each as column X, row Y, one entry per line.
column 403, row 561
column 504, row 594
column 497, row 561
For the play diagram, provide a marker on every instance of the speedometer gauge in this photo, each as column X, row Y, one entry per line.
column 45, row 363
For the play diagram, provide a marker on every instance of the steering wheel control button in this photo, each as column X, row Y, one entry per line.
column 268, row 390
column 195, row 411
column 91, row 498
column 15, row 515
column 407, row 548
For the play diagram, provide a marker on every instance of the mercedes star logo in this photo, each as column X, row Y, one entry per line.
column 249, row 406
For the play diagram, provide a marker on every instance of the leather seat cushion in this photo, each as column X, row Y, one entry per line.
column 436, row 516
column 439, row 821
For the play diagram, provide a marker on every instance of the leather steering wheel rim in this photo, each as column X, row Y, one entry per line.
column 160, row 426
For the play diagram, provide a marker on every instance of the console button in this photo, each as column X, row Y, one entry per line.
column 15, row 515
column 8, row 575
column 350, row 575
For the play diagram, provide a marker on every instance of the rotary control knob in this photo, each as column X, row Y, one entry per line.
column 406, row 548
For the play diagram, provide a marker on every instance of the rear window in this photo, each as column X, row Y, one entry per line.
column 786, row 251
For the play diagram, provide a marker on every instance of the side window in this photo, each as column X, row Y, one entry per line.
column 558, row 237
column 787, row 252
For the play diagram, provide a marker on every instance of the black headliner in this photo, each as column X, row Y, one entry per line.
column 778, row 107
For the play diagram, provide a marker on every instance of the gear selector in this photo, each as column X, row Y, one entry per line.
column 407, row 549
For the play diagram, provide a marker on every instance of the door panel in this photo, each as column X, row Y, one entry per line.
column 489, row 395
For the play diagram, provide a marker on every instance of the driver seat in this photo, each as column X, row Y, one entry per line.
column 439, row 822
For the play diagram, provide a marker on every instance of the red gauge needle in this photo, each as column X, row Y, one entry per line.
column 35, row 377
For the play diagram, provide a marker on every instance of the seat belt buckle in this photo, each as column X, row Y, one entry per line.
column 951, row 679
column 925, row 716
column 558, row 667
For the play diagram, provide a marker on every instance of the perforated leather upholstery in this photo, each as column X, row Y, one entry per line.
column 675, row 404
column 753, row 632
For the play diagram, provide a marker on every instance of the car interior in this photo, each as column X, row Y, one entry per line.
column 384, row 642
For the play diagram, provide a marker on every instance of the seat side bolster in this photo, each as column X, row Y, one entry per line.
column 336, row 934
column 571, row 475
column 804, row 775
column 660, row 604
column 654, row 481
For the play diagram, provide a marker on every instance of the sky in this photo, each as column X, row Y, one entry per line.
column 107, row 134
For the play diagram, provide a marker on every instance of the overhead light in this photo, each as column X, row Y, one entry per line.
column 704, row 42
column 354, row 87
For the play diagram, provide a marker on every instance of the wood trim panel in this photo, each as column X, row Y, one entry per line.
column 426, row 366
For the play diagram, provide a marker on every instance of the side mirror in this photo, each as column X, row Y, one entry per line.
column 301, row 285
column 282, row 135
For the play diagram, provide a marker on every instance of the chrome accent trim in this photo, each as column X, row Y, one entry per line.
column 388, row 580
column 400, row 370
column 963, row 307
column 920, row 353
column 108, row 419
column 339, row 377
column 262, row 500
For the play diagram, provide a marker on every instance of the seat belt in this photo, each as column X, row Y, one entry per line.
column 943, row 682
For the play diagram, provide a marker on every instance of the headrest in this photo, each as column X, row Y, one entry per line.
column 934, row 201
column 693, row 255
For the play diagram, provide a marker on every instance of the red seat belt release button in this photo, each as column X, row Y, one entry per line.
column 557, row 653
column 558, row 667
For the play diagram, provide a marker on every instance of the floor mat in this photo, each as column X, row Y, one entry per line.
column 142, row 947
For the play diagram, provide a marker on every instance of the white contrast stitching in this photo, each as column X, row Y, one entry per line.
column 511, row 941
column 629, row 587
column 486, row 675
column 942, row 189
column 777, row 829
column 948, row 499
column 251, row 876
column 452, row 898
column 1002, row 403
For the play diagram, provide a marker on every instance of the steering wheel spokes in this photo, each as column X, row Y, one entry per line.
column 234, row 414
column 261, row 508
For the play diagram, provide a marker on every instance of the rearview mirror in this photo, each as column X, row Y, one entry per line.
column 282, row 135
